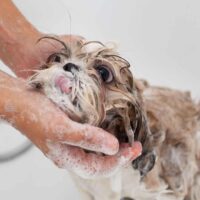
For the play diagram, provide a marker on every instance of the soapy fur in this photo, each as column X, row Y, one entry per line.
column 165, row 121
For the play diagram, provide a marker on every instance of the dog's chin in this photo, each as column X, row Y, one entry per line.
column 72, row 106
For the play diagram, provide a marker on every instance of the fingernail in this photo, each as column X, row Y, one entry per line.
column 131, row 153
column 136, row 149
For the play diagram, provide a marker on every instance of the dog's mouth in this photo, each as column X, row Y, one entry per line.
column 64, row 84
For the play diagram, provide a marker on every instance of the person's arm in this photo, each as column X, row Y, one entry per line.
column 19, row 38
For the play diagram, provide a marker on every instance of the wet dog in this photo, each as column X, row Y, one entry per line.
column 92, row 83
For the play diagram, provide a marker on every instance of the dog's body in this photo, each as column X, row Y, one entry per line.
column 166, row 122
column 174, row 121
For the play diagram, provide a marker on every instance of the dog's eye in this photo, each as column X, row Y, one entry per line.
column 57, row 58
column 54, row 58
column 105, row 73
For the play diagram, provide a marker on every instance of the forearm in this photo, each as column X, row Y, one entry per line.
column 20, row 106
column 17, row 39
column 18, row 47
column 12, row 108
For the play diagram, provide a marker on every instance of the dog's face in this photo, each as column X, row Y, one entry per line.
column 93, row 84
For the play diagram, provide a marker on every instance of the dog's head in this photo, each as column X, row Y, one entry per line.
column 93, row 84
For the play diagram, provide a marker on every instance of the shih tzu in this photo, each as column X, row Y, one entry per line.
column 92, row 84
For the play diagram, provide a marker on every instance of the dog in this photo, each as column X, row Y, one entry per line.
column 93, row 84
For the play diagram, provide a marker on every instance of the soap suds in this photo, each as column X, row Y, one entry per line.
column 91, row 138
column 87, row 165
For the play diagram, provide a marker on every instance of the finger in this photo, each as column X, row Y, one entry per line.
column 87, row 137
column 90, row 165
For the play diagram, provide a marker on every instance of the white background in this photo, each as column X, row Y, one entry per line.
column 160, row 38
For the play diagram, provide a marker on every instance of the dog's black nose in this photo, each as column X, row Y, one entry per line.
column 69, row 67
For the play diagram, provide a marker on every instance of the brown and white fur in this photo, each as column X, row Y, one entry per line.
column 165, row 121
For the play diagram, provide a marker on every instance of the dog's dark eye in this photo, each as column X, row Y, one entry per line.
column 105, row 73
column 57, row 59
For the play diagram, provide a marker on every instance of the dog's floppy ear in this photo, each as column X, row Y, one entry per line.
column 146, row 161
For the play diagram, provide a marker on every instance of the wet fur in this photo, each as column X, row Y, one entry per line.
column 174, row 121
column 166, row 121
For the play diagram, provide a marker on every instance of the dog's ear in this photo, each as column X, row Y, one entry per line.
column 146, row 161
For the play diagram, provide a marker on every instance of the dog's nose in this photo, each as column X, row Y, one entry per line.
column 69, row 67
